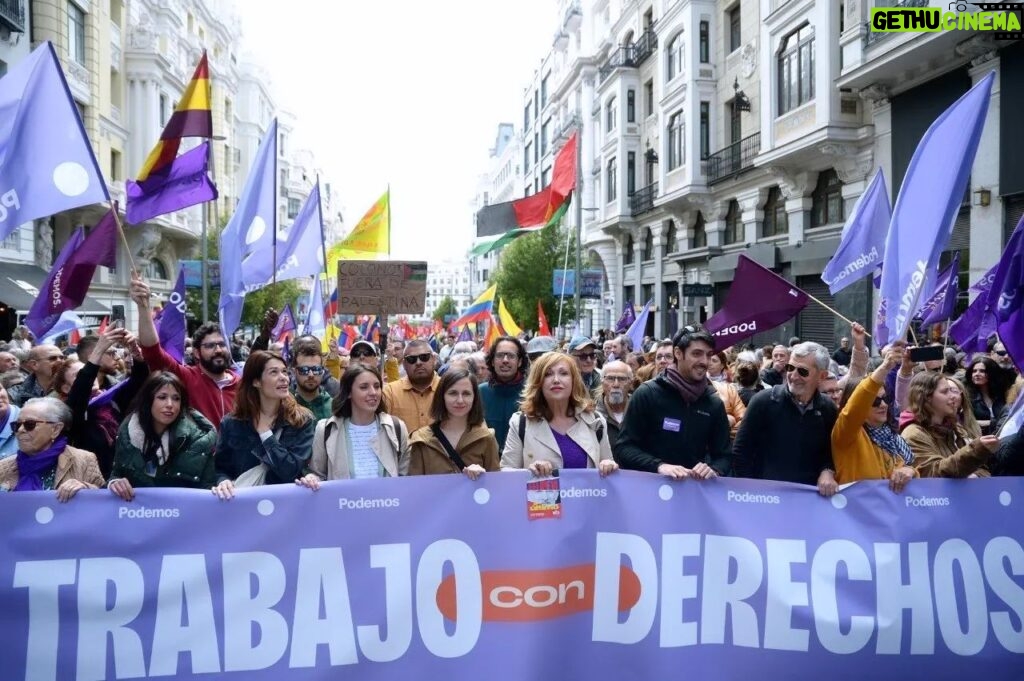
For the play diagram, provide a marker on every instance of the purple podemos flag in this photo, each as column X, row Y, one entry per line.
column 183, row 184
column 172, row 321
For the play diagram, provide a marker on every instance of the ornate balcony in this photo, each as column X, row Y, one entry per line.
column 573, row 16
column 12, row 15
column 631, row 55
column 642, row 200
column 732, row 160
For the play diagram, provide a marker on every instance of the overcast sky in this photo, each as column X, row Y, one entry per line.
column 406, row 92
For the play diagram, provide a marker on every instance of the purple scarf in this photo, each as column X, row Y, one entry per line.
column 31, row 468
column 690, row 391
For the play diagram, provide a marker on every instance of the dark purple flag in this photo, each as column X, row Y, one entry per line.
column 285, row 324
column 968, row 331
column 758, row 300
column 627, row 318
column 70, row 277
column 1006, row 297
column 940, row 306
column 184, row 183
column 171, row 331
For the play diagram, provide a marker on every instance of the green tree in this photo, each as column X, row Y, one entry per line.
column 256, row 303
column 445, row 307
column 524, row 275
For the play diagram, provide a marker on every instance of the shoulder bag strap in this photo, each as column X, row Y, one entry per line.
column 452, row 454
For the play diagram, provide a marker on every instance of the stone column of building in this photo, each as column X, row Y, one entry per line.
column 658, row 232
column 752, row 213
column 794, row 188
column 638, row 263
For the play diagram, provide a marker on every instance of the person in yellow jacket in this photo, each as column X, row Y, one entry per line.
column 864, row 446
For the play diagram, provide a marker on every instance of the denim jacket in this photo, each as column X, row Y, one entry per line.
column 286, row 452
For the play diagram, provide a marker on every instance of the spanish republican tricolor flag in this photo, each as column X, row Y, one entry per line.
column 191, row 118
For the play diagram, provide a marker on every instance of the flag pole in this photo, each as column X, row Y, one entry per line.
column 205, row 249
column 273, row 228
column 577, row 293
column 561, row 294
column 124, row 239
column 834, row 311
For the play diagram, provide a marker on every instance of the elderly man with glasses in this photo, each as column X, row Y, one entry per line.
column 787, row 432
column 42, row 359
column 616, row 388
column 409, row 399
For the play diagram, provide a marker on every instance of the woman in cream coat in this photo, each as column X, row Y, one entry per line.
column 562, row 428
column 360, row 440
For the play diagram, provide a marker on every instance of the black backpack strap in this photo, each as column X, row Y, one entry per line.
column 451, row 451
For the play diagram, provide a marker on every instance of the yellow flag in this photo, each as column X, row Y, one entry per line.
column 372, row 235
column 507, row 323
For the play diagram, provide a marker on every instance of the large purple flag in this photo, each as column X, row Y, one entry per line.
column 636, row 329
column 173, row 327
column 627, row 318
column 940, row 306
column 285, row 323
column 969, row 330
column 1006, row 297
column 315, row 322
column 300, row 250
column 184, row 183
column 928, row 202
column 46, row 162
column 255, row 217
column 70, row 277
column 985, row 283
column 758, row 300
column 863, row 241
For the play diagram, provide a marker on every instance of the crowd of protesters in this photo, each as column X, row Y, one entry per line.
column 118, row 411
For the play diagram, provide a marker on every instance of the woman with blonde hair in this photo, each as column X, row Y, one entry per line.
column 268, row 438
column 942, row 447
column 964, row 413
column 557, row 425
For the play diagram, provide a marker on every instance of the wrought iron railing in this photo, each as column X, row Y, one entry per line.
column 642, row 200
column 12, row 15
column 646, row 45
column 733, row 159
column 632, row 55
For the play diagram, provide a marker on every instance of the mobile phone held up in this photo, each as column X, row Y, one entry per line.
column 929, row 353
column 117, row 316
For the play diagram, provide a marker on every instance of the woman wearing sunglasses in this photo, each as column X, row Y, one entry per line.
column 360, row 440
column 8, row 414
column 458, row 441
column 163, row 443
column 864, row 446
column 44, row 460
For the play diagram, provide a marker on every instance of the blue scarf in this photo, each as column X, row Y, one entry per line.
column 890, row 441
column 32, row 466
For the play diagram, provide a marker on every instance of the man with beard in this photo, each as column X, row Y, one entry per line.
column 787, row 432
column 616, row 387
column 409, row 399
column 675, row 424
column 308, row 371
column 500, row 395
column 210, row 383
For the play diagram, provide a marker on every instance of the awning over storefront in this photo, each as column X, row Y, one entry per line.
column 19, row 287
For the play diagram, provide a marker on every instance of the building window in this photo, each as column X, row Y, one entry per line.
column 734, row 28
column 544, row 91
column 115, row 166
column 649, row 98
column 12, row 242
column 627, row 251
column 776, row 221
column 545, row 177
column 705, row 130
column 526, row 117
column 705, row 43
column 611, row 120
column 294, row 206
column 630, row 173
column 676, row 145
column 526, row 157
column 155, row 269
column 796, row 69
column 827, row 200
column 544, row 137
column 76, row 33
column 612, row 180
column 700, row 232
column 675, row 57
column 536, row 147
column 733, row 224
column 631, row 106
column 648, row 245
column 671, row 239
column 163, row 109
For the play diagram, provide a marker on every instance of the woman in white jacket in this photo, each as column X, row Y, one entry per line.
column 557, row 425
column 360, row 440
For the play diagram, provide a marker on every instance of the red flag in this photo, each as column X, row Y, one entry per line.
column 758, row 300
column 103, row 326
column 493, row 332
column 75, row 338
column 542, row 322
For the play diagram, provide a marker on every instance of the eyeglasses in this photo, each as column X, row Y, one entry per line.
column 306, row 371
column 615, row 379
column 213, row 345
column 28, row 424
column 803, row 371
column 586, row 356
column 505, row 355
column 1001, row 353
column 424, row 358
column 359, row 354
column 878, row 402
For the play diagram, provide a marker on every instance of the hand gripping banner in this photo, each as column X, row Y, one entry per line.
column 637, row 577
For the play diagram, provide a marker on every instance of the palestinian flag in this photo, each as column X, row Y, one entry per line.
column 501, row 240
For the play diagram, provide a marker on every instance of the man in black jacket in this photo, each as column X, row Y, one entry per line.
column 786, row 434
column 675, row 425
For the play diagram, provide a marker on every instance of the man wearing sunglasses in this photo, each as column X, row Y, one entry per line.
column 42, row 359
column 365, row 352
column 308, row 371
column 787, row 432
column 585, row 351
column 410, row 398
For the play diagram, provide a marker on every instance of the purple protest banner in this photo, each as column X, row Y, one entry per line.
column 758, row 300
column 637, row 576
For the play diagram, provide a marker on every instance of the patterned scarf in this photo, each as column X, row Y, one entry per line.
column 690, row 391
column 890, row 441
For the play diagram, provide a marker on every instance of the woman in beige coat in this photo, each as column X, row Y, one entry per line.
column 360, row 440
column 557, row 425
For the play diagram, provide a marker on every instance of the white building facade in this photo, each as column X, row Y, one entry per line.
column 450, row 278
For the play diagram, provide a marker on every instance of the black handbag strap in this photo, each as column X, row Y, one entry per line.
column 452, row 454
